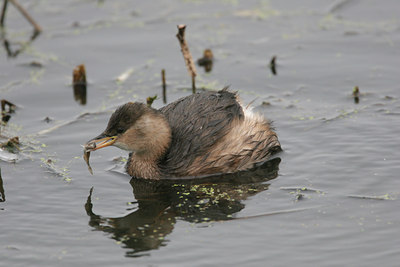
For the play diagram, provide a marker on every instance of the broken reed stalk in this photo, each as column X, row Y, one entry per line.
column 272, row 65
column 164, row 86
column 79, row 75
column 2, row 194
column 186, row 54
column 356, row 94
column 3, row 13
column 193, row 84
column 25, row 14
column 79, row 83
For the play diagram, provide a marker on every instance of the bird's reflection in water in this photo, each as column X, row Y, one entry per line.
column 161, row 203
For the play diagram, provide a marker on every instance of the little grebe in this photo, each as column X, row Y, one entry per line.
column 201, row 134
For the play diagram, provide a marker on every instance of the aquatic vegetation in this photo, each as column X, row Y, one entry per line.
column 36, row 76
column 262, row 12
column 11, row 145
column 52, row 167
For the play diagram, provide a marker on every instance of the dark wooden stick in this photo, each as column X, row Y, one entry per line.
column 2, row 195
column 164, row 86
column 79, row 75
column 193, row 84
column 3, row 13
column 26, row 15
column 356, row 94
column 186, row 54
column 272, row 65
column 79, row 84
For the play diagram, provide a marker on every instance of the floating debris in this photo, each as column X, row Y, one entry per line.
column 272, row 65
column 207, row 60
column 53, row 168
column 5, row 103
column 79, row 83
column 6, row 114
column 120, row 159
column 150, row 100
column 302, row 189
column 11, row 145
column 125, row 75
column 298, row 197
column 48, row 119
column 356, row 94
column 36, row 64
column 266, row 104
column 186, row 55
column 33, row 64
column 384, row 197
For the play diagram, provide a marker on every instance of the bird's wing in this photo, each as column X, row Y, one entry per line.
column 197, row 123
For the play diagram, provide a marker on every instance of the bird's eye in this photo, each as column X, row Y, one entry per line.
column 120, row 130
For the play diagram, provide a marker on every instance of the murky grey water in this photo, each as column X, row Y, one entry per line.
column 331, row 200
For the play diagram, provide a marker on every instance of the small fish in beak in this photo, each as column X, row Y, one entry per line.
column 86, row 156
column 94, row 144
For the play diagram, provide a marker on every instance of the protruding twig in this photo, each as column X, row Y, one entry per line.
column 193, row 84
column 26, row 15
column 79, row 74
column 3, row 13
column 272, row 65
column 2, row 195
column 164, row 86
column 186, row 54
column 79, row 83
column 356, row 94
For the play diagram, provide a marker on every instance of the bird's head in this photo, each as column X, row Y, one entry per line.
column 134, row 127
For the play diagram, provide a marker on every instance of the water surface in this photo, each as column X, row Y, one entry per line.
column 330, row 199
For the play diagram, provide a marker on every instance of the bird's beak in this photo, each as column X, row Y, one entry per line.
column 99, row 142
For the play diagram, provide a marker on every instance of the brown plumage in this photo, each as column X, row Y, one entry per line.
column 201, row 134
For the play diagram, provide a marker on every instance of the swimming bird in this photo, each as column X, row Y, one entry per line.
column 202, row 134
